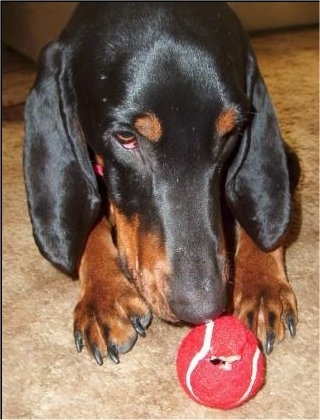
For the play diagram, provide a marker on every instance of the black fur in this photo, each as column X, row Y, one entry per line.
column 185, row 62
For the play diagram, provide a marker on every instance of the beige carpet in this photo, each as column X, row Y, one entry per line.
column 44, row 377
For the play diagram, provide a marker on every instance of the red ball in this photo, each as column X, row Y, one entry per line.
column 220, row 365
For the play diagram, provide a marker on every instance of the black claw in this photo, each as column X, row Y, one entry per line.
column 113, row 353
column 250, row 320
column 272, row 319
column 270, row 341
column 137, row 326
column 291, row 324
column 78, row 340
column 97, row 355
column 146, row 320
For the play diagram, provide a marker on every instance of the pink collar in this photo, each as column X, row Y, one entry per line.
column 98, row 169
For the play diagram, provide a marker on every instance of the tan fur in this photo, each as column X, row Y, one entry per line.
column 261, row 287
column 149, row 126
column 146, row 261
column 226, row 121
column 107, row 297
column 100, row 160
column 154, row 271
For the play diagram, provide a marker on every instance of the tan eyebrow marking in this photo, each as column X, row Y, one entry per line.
column 149, row 126
column 226, row 121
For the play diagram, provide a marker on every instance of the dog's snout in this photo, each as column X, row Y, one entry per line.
column 198, row 306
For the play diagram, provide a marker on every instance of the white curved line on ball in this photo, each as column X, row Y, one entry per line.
column 200, row 355
column 254, row 371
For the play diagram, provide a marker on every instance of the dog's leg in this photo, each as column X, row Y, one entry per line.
column 263, row 298
column 110, row 314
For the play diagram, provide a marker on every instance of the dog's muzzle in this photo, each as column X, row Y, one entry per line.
column 198, row 305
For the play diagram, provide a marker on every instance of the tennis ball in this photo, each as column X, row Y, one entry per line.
column 220, row 365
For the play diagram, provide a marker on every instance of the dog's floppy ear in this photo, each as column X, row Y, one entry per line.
column 62, row 192
column 257, row 185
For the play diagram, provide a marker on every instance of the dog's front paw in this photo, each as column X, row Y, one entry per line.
column 108, row 321
column 267, row 304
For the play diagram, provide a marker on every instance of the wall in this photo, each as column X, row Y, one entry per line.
column 27, row 26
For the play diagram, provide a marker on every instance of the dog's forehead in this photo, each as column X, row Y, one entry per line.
column 178, row 83
column 174, row 74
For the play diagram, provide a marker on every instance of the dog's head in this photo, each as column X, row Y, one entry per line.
column 178, row 129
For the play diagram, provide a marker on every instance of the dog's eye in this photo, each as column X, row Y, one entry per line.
column 127, row 139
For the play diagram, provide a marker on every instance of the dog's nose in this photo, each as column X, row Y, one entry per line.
column 198, row 306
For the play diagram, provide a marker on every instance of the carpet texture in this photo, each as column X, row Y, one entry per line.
column 44, row 377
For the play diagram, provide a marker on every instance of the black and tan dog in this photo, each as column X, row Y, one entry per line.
column 168, row 99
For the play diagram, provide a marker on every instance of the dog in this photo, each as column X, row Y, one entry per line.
column 156, row 171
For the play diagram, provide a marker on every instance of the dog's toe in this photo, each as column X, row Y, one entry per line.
column 267, row 310
column 110, row 326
